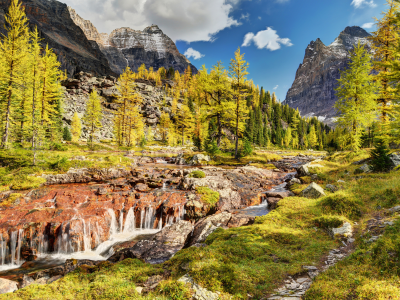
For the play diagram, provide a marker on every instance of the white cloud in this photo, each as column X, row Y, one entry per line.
column 275, row 88
column 190, row 52
column 187, row 20
column 245, row 16
column 267, row 39
column 259, row 18
column 360, row 3
column 368, row 25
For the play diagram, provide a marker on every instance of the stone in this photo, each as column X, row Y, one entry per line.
column 313, row 191
column 199, row 293
column 139, row 289
column 303, row 171
column 346, row 231
column 141, row 187
column 294, row 181
column 394, row 209
column 332, row 188
column 180, row 160
column 280, row 195
column 363, row 169
column 394, row 160
column 314, row 177
column 273, row 202
column 198, row 159
column 7, row 286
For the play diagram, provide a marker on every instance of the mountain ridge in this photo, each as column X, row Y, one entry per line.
column 313, row 90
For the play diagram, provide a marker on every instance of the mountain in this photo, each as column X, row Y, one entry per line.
column 52, row 18
column 313, row 90
column 127, row 47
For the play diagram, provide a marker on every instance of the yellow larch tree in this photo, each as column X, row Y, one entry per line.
column 76, row 128
column 93, row 115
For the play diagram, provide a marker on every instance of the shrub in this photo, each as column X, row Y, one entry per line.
column 58, row 147
column 61, row 164
column 175, row 290
column 28, row 182
column 341, row 203
column 208, row 196
column 380, row 157
column 211, row 147
column 67, row 136
column 197, row 174
column 247, row 148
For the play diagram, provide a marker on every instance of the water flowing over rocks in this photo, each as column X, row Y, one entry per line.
column 313, row 90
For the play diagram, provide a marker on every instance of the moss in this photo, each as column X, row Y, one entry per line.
column 343, row 203
column 175, row 290
column 297, row 188
column 306, row 180
column 197, row 174
column 11, row 200
column 208, row 196
column 329, row 221
column 29, row 182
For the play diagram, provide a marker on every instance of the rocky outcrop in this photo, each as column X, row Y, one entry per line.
column 126, row 47
column 57, row 29
column 7, row 286
column 313, row 90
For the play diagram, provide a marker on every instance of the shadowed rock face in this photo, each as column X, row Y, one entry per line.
column 127, row 47
column 75, row 52
column 313, row 90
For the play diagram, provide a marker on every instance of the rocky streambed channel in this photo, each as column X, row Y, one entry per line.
column 149, row 211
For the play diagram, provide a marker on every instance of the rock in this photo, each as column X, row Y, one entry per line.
column 199, row 293
column 7, row 286
column 346, row 231
column 139, row 289
column 314, row 177
column 198, row 159
column 394, row 160
column 240, row 220
column 180, row 160
column 280, row 195
column 363, row 169
column 332, row 188
column 141, row 187
column 313, row 191
column 294, row 181
column 394, row 209
column 303, row 171
column 206, row 226
column 273, row 202
column 159, row 248
column 341, row 181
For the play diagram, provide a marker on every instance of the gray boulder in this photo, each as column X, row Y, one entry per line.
column 180, row 160
column 199, row 293
column 303, row 171
column 313, row 191
column 363, row 169
column 198, row 159
column 394, row 160
column 332, row 188
column 346, row 231
column 7, row 286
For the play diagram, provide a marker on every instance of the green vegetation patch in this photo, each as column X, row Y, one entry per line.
column 11, row 200
column 343, row 203
column 197, row 174
column 208, row 196
column 175, row 290
column 329, row 221
column 28, row 182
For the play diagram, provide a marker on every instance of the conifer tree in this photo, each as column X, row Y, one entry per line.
column 13, row 50
column 312, row 137
column 288, row 137
column 356, row 96
column 93, row 115
column 184, row 123
column 238, row 72
column 164, row 125
column 76, row 128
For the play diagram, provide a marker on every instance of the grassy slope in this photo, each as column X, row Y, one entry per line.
column 255, row 259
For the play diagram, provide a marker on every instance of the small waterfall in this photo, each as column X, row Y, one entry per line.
column 114, row 225
column 130, row 221
column 121, row 219
column 160, row 222
column 96, row 234
column 2, row 250
column 13, row 246
column 142, row 213
column 86, row 237
column 149, row 218
column 64, row 245
column 43, row 244
column 20, row 237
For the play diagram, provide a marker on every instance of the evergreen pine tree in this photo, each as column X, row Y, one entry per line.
column 380, row 157
column 67, row 134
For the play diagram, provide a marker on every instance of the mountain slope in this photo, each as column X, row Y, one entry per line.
column 313, row 90
column 76, row 53
column 127, row 47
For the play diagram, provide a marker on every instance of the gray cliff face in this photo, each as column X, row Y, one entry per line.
column 313, row 90
column 52, row 18
column 127, row 47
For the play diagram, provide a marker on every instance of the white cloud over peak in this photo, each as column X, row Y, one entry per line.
column 360, row 3
column 190, row 52
column 267, row 39
column 368, row 25
column 187, row 20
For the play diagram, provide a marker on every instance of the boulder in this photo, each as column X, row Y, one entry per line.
column 332, row 188
column 273, row 202
column 280, row 195
column 313, row 191
column 363, row 169
column 199, row 293
column 198, row 159
column 394, row 209
column 303, row 171
column 346, row 231
column 160, row 247
column 394, row 160
column 142, row 187
column 7, row 286
column 294, row 181
column 180, row 160
column 206, row 226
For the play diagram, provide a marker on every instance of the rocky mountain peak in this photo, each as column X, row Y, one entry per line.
column 153, row 29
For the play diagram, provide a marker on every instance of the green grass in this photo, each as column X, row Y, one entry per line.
column 208, row 196
column 197, row 174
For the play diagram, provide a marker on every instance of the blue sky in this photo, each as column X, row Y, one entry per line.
column 301, row 21
column 212, row 30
